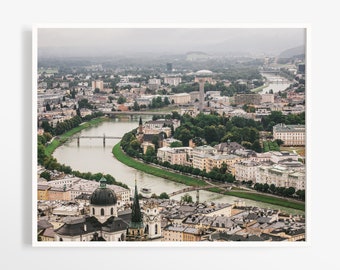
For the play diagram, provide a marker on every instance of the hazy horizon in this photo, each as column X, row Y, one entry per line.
column 96, row 42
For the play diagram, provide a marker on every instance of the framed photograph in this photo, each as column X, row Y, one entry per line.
column 170, row 135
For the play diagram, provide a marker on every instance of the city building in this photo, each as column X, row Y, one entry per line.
column 172, row 80
column 194, row 96
column 175, row 155
column 292, row 135
column 267, row 98
column 77, row 186
column 157, row 124
column 282, row 176
column 241, row 99
column 98, row 84
column 154, row 83
column 228, row 147
column 202, row 77
column 169, row 67
column 246, row 170
column 200, row 156
column 181, row 98
column 280, row 156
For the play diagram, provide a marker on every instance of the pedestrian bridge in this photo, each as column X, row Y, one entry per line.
column 188, row 189
column 104, row 138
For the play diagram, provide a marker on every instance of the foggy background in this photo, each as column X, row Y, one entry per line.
column 78, row 42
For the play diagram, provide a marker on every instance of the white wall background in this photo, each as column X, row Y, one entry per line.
column 15, row 53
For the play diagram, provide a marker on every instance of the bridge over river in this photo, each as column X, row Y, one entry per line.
column 103, row 137
column 193, row 188
column 133, row 113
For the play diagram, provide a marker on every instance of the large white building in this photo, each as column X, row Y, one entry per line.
column 79, row 186
column 277, row 157
column 200, row 156
column 182, row 98
column 246, row 170
column 293, row 135
column 282, row 176
column 175, row 155
column 172, row 80
column 206, row 158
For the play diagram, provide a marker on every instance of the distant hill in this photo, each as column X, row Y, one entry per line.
column 197, row 56
column 296, row 51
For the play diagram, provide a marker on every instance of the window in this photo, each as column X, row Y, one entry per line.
column 102, row 211
column 93, row 211
column 156, row 229
column 111, row 211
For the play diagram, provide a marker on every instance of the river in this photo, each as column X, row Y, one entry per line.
column 92, row 156
column 277, row 83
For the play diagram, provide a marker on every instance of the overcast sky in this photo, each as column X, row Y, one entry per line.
column 101, row 41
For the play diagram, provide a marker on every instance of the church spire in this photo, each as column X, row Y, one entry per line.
column 136, row 216
column 140, row 127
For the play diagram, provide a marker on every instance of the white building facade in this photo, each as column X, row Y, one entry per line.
column 293, row 135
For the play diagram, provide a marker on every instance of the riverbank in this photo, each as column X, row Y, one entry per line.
column 59, row 140
column 189, row 181
column 176, row 177
column 259, row 89
column 265, row 198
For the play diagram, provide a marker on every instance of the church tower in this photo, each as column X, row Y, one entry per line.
column 140, row 130
column 152, row 220
column 140, row 127
column 135, row 231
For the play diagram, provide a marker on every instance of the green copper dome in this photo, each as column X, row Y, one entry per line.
column 103, row 196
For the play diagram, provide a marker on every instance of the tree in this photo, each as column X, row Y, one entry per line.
column 46, row 175
column 48, row 107
column 279, row 142
column 41, row 153
column 164, row 195
column 150, row 152
column 136, row 107
column 166, row 101
column 186, row 198
column 183, row 135
column 47, row 136
column 155, row 141
column 257, row 146
column 272, row 188
column 47, row 127
column 290, row 191
column 121, row 100
column 176, row 144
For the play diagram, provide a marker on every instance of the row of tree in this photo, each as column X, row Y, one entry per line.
column 281, row 191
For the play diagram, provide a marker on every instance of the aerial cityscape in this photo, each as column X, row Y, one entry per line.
column 170, row 135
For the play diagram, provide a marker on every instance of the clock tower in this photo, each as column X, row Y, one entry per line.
column 151, row 220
